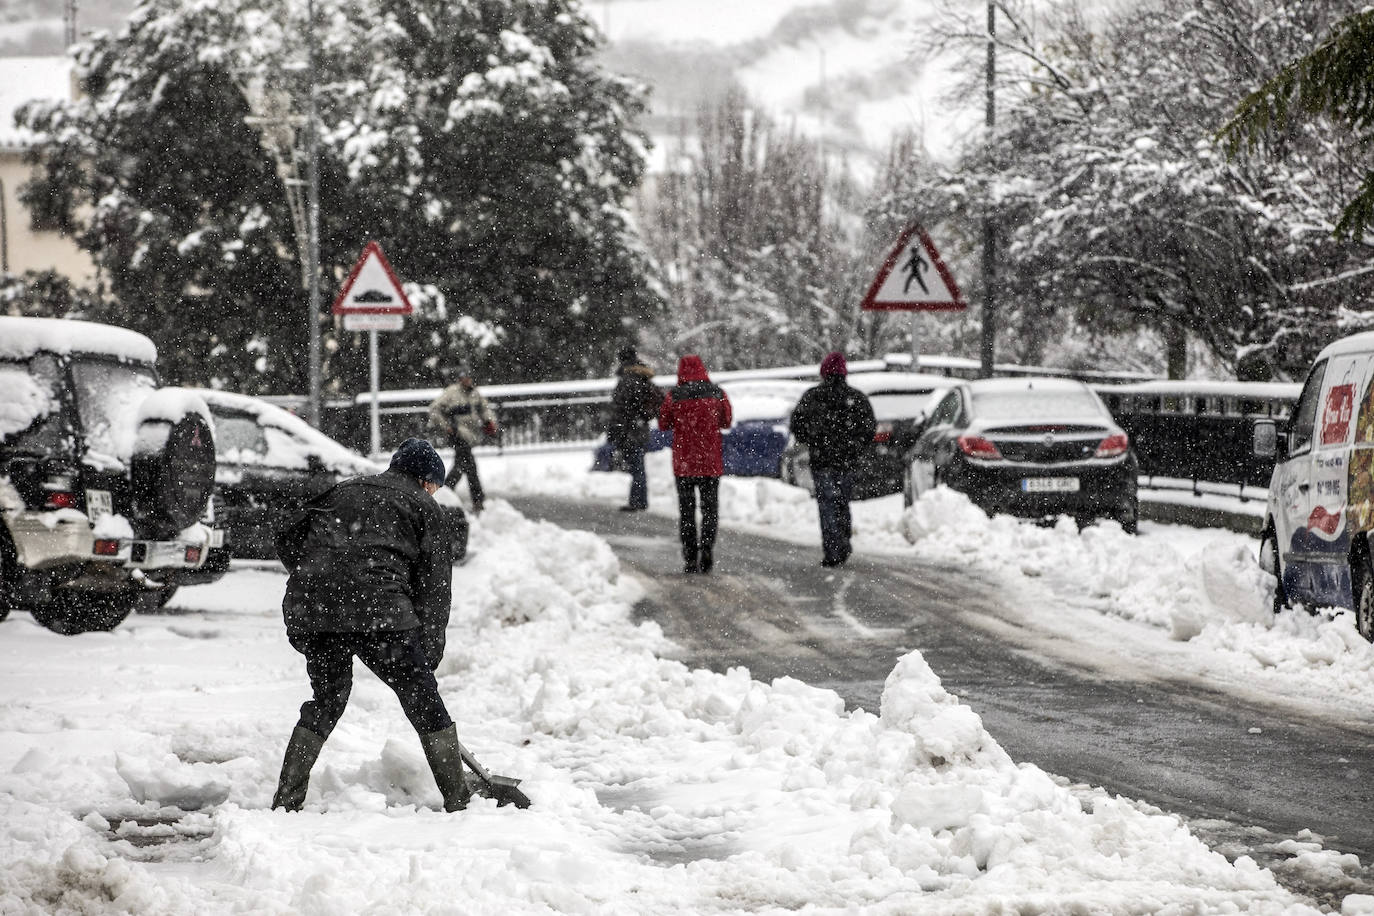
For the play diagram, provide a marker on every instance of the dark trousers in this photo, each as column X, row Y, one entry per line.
column 687, row 489
column 395, row 656
column 464, row 462
column 632, row 456
column 832, row 501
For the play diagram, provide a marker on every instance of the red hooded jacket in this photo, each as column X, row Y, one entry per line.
column 695, row 411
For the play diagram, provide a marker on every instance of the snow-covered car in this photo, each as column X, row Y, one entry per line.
column 900, row 401
column 268, row 462
column 1031, row 447
column 105, row 478
column 754, row 443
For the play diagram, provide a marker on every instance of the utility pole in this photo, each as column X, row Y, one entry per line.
column 989, row 341
column 69, row 22
column 312, row 177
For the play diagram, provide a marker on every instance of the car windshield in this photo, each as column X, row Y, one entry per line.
column 1030, row 404
column 905, row 405
column 108, row 395
column 30, row 406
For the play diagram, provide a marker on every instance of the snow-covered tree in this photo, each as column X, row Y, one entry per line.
column 476, row 140
column 1119, row 210
column 748, row 230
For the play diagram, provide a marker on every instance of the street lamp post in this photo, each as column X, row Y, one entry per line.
column 312, row 177
column 989, row 337
column 272, row 116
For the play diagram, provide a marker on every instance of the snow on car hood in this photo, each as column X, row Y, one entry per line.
column 21, row 338
column 287, row 441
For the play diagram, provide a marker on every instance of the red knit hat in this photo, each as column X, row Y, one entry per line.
column 834, row 364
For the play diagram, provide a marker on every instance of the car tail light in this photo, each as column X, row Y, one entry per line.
column 980, row 448
column 192, row 555
column 106, row 547
column 60, row 499
column 1114, row 445
column 883, row 432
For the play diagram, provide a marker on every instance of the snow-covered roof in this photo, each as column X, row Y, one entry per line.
column 1003, row 385
column 1355, row 343
column 871, row 382
column 289, row 440
column 23, row 79
column 21, row 338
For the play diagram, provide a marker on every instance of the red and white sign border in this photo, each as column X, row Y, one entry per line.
column 871, row 301
column 339, row 308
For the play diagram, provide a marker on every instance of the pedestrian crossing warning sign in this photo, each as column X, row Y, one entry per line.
column 372, row 287
column 913, row 278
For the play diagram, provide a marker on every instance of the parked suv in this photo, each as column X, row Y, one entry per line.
column 105, row 478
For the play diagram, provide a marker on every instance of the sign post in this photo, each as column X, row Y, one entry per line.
column 372, row 300
column 913, row 278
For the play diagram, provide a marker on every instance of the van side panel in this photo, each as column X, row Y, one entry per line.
column 1318, row 572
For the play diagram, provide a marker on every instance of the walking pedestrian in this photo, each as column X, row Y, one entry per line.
column 370, row 576
column 635, row 401
column 836, row 423
column 695, row 411
column 462, row 416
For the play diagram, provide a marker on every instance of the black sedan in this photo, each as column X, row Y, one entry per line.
column 1030, row 447
column 268, row 462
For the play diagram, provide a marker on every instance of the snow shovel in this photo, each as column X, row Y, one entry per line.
column 502, row 788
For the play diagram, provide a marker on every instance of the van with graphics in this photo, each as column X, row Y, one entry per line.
column 1317, row 525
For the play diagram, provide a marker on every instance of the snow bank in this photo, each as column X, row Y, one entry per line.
column 656, row 788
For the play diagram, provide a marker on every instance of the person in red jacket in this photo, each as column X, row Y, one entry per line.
column 695, row 411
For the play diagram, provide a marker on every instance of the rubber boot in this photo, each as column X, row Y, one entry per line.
column 301, row 753
column 707, row 560
column 445, row 761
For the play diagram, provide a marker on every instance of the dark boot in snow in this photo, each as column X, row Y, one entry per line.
column 706, row 561
column 301, row 752
column 446, row 762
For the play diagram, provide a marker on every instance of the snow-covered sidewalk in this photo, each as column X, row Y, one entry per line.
column 136, row 768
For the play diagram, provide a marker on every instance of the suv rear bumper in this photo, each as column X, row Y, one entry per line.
column 47, row 540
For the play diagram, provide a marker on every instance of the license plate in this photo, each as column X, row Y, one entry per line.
column 99, row 504
column 1049, row 485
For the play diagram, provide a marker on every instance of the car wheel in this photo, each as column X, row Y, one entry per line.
column 1269, row 562
column 9, row 572
column 73, row 613
column 1128, row 517
column 1362, row 576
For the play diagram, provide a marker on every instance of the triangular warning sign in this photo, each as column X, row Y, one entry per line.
column 372, row 287
column 914, row 279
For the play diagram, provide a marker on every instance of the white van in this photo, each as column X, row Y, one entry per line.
column 1321, row 496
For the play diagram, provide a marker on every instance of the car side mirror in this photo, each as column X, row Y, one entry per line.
column 1267, row 442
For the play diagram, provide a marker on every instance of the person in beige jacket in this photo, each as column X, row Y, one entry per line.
column 463, row 416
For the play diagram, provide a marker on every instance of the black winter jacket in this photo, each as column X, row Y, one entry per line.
column 370, row 553
column 634, row 402
column 835, row 421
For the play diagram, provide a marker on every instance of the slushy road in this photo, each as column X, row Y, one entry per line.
column 1225, row 763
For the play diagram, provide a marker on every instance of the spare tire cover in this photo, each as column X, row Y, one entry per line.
column 172, row 484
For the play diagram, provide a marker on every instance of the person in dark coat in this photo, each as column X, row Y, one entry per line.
column 836, row 424
column 695, row 411
column 370, row 576
column 634, row 402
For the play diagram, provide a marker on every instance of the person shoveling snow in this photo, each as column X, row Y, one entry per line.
column 371, row 576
